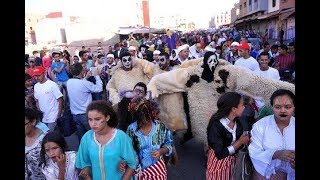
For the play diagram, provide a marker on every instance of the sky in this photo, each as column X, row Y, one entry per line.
column 199, row 11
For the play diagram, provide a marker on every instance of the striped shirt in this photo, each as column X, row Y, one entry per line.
column 285, row 62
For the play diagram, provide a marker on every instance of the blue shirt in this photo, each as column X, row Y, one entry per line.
column 158, row 137
column 104, row 159
column 62, row 76
column 79, row 93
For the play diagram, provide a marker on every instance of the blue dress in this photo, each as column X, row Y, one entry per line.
column 104, row 159
column 159, row 136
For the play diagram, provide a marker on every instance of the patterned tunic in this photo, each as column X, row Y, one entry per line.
column 159, row 136
column 32, row 160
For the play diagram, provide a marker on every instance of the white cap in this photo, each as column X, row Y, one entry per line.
column 156, row 52
column 110, row 55
column 132, row 48
column 235, row 43
column 180, row 48
column 209, row 48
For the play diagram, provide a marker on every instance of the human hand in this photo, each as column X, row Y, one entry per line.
column 85, row 173
column 156, row 154
column 285, row 155
column 61, row 161
column 244, row 138
column 122, row 166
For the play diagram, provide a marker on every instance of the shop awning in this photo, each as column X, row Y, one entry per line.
column 269, row 15
column 285, row 14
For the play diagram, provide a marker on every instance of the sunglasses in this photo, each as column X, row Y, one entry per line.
column 27, row 123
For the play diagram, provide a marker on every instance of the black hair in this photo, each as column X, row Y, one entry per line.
column 264, row 53
column 266, row 43
column 126, row 53
column 284, row 47
column 225, row 103
column 100, row 55
column 104, row 108
column 81, row 53
column 274, row 46
column 55, row 137
column 142, row 85
column 144, row 114
column 76, row 69
column 33, row 115
column 55, row 52
column 291, row 44
column 27, row 77
column 281, row 92
column 207, row 74
column 34, row 52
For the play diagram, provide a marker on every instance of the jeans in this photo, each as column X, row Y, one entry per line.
column 82, row 124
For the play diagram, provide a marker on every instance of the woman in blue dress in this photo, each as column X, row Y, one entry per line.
column 103, row 147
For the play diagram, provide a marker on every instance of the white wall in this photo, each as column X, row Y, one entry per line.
column 270, row 8
column 49, row 30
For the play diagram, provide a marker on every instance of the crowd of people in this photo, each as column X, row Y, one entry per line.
column 124, row 132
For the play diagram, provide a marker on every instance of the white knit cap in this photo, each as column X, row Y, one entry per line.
column 180, row 48
column 110, row 55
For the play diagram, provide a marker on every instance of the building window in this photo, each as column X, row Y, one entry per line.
column 244, row 4
column 255, row 0
column 250, row 1
column 273, row 3
column 240, row 7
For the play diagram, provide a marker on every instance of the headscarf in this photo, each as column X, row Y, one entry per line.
column 142, row 105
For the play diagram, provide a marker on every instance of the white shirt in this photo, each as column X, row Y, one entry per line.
column 51, row 171
column 79, row 93
column 266, row 138
column 225, row 122
column 250, row 63
column 47, row 95
column 270, row 73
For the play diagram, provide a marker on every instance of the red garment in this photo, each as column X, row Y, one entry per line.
column 219, row 169
column 46, row 61
column 285, row 62
column 157, row 171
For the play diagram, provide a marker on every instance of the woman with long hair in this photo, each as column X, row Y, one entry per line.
column 225, row 136
column 57, row 162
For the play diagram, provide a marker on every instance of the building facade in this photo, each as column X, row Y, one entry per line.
column 262, row 16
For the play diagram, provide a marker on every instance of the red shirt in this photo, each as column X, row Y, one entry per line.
column 285, row 62
column 46, row 61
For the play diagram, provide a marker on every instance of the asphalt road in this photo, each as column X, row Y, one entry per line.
column 191, row 159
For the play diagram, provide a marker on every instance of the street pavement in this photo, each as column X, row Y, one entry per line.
column 191, row 158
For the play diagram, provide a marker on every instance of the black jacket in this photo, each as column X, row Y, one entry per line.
column 219, row 138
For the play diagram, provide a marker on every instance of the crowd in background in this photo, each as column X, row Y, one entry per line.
column 54, row 86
